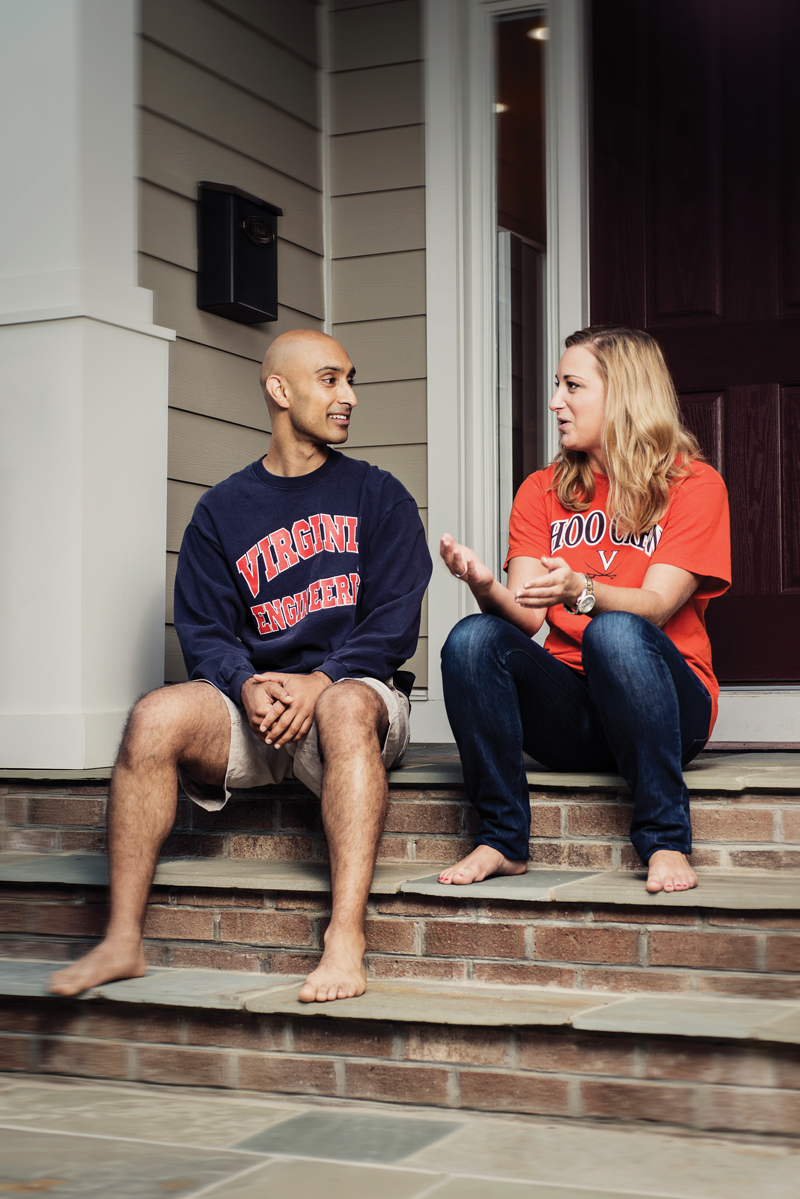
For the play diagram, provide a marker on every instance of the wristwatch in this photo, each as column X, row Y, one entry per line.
column 585, row 602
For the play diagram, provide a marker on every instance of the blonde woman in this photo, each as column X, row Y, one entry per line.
column 619, row 545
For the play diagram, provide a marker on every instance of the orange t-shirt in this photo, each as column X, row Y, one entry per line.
column 693, row 534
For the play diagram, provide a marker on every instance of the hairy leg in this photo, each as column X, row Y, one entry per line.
column 186, row 724
column 352, row 722
column 668, row 870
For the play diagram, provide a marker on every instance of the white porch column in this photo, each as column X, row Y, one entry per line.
column 83, row 387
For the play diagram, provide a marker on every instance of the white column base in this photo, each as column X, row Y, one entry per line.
column 60, row 741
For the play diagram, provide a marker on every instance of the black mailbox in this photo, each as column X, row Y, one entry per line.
column 237, row 243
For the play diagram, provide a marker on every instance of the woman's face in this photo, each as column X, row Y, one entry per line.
column 579, row 404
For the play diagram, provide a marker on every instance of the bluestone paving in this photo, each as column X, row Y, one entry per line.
column 327, row 1180
column 683, row 1016
column 80, row 869
column 350, row 1136
column 512, row 1157
column 604, row 1159
column 227, row 989
column 483, row 1188
column 767, row 890
column 536, row 886
column 786, row 1029
column 238, row 874
column 416, row 1001
column 95, row 1168
column 433, row 1003
column 149, row 1114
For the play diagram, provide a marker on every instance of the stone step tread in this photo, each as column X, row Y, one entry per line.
column 770, row 772
column 720, row 889
column 415, row 1001
column 439, row 765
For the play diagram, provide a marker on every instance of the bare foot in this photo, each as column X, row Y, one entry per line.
column 107, row 962
column 669, row 870
column 482, row 863
column 340, row 974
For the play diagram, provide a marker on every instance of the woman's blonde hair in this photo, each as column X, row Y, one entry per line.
column 646, row 445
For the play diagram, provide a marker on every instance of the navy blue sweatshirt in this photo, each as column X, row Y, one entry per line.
column 324, row 571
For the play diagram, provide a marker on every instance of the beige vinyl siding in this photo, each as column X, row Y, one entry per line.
column 378, row 236
column 229, row 93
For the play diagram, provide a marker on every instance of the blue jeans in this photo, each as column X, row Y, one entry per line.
column 638, row 708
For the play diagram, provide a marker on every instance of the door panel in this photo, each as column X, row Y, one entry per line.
column 695, row 236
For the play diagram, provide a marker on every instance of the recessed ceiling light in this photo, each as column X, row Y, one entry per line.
column 540, row 34
column 501, row 108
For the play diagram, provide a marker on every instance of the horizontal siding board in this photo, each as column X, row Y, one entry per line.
column 378, row 160
column 418, row 665
column 376, row 98
column 383, row 351
column 175, row 306
column 181, row 500
column 408, row 463
column 379, row 286
column 191, row 96
column 211, row 383
column 174, row 668
column 206, row 451
column 176, row 158
column 169, row 606
column 167, row 226
column 374, row 35
column 389, row 413
column 378, row 222
column 300, row 279
column 292, row 24
column 217, row 42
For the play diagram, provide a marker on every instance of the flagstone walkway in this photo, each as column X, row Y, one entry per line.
column 68, row 1138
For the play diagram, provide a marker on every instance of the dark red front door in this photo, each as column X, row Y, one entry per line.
column 695, row 236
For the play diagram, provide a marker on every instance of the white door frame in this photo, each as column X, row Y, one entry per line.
column 463, row 493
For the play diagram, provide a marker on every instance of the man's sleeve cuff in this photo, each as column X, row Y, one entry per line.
column 334, row 670
column 237, row 682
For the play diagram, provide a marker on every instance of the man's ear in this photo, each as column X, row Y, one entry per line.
column 277, row 391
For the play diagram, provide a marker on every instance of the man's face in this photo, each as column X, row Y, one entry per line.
column 320, row 386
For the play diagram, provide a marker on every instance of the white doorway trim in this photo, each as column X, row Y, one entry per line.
column 463, row 494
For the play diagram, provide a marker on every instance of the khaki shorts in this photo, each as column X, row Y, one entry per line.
column 251, row 763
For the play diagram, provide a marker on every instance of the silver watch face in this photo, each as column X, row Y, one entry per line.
column 585, row 605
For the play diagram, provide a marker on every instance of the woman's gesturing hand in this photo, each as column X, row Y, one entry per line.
column 561, row 585
column 464, row 563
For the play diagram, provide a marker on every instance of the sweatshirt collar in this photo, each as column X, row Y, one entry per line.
column 296, row 482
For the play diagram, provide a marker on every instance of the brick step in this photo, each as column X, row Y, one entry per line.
column 738, row 933
column 740, row 820
column 705, row 1063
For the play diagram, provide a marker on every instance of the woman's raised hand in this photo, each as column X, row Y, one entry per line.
column 561, row 585
column 464, row 563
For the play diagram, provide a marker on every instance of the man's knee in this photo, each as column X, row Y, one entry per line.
column 158, row 721
column 351, row 707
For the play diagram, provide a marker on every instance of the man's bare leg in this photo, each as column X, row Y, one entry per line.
column 483, row 862
column 668, row 870
column 352, row 722
column 189, row 724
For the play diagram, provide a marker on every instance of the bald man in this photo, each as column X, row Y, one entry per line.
column 297, row 596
